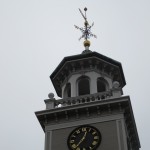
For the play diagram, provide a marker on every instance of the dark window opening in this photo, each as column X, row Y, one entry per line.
column 83, row 86
column 101, row 85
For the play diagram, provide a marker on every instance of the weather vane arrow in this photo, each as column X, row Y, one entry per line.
column 86, row 30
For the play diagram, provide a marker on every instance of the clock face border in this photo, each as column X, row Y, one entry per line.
column 87, row 126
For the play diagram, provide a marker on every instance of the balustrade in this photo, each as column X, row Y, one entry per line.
column 82, row 99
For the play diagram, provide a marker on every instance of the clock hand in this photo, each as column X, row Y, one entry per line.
column 82, row 139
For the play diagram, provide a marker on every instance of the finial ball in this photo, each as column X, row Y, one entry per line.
column 116, row 84
column 85, row 9
column 87, row 43
column 51, row 95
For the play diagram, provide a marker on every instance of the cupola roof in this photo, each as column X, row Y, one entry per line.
column 85, row 62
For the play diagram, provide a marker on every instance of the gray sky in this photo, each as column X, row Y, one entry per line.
column 35, row 35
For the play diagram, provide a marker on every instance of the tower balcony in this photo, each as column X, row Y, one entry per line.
column 52, row 103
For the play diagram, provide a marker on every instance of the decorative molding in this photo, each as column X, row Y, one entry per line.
column 85, row 65
column 79, row 122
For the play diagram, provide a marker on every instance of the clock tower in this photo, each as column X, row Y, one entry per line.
column 93, row 113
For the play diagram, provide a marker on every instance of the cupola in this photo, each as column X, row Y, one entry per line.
column 87, row 73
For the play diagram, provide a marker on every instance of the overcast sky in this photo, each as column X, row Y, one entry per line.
column 35, row 35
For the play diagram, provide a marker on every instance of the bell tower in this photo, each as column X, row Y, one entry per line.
column 93, row 113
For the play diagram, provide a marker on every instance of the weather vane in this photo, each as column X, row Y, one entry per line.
column 86, row 30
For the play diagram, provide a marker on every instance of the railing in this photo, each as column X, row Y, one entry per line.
column 82, row 99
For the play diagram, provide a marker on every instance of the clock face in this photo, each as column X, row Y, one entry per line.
column 84, row 138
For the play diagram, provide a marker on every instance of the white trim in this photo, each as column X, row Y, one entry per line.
column 118, row 135
column 83, row 121
column 48, row 140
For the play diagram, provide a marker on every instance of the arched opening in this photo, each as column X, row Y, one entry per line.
column 83, row 86
column 67, row 90
column 101, row 85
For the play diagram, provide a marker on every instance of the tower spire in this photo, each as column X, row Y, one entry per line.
column 86, row 30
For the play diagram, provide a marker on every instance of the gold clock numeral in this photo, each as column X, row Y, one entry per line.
column 73, row 136
column 93, row 133
column 78, row 131
column 94, row 143
column 84, row 129
column 73, row 146
column 96, row 137
column 71, row 141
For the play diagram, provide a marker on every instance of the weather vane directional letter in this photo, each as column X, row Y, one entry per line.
column 86, row 30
